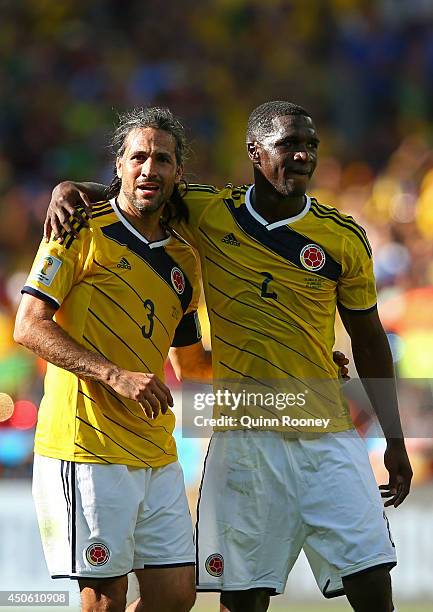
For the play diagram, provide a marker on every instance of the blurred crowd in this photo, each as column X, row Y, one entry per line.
column 362, row 68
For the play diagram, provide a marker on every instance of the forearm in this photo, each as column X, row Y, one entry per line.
column 201, row 370
column 94, row 191
column 373, row 361
column 49, row 341
column 192, row 363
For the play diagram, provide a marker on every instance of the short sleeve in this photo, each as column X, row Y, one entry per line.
column 188, row 331
column 357, row 286
column 58, row 267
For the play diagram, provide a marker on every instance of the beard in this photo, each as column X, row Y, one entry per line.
column 142, row 206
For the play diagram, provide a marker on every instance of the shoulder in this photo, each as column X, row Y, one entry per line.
column 208, row 193
column 85, row 227
column 101, row 209
column 201, row 198
column 180, row 249
column 195, row 189
column 342, row 225
column 178, row 242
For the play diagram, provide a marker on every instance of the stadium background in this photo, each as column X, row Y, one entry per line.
column 364, row 69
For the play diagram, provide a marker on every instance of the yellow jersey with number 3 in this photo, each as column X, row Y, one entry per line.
column 128, row 300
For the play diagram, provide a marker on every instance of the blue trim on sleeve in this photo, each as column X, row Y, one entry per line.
column 41, row 296
column 357, row 311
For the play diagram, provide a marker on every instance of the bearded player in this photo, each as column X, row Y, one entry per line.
column 104, row 309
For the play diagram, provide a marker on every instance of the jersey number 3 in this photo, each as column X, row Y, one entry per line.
column 147, row 329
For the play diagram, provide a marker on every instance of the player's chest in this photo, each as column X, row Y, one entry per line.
column 141, row 284
column 243, row 258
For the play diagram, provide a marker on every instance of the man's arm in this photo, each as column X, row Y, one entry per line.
column 36, row 330
column 195, row 363
column 65, row 199
column 373, row 361
column 191, row 363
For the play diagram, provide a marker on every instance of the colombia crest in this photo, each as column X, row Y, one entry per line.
column 97, row 554
column 214, row 565
column 313, row 257
column 178, row 280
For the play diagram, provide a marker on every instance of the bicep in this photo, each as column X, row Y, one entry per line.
column 31, row 311
column 361, row 326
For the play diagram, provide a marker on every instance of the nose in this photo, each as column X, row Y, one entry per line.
column 148, row 168
column 302, row 156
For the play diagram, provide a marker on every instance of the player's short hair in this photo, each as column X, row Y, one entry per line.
column 260, row 120
column 161, row 119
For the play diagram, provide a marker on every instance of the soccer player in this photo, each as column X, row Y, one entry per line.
column 276, row 264
column 103, row 309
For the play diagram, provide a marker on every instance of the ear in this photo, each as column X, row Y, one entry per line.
column 119, row 167
column 253, row 149
column 179, row 174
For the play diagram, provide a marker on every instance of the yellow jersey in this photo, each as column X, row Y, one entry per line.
column 271, row 292
column 129, row 300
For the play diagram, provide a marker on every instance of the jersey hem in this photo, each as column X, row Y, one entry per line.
column 111, row 461
column 292, row 432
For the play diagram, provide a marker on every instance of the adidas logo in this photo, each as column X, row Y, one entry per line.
column 124, row 263
column 231, row 239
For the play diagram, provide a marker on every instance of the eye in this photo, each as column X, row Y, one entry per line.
column 287, row 143
column 139, row 157
column 164, row 158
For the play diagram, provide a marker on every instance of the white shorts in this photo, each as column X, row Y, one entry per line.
column 264, row 497
column 102, row 521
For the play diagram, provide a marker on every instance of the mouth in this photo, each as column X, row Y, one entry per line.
column 298, row 172
column 148, row 189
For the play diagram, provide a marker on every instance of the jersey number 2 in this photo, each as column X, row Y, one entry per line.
column 265, row 293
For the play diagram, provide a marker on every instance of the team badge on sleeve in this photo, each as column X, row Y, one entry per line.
column 313, row 257
column 97, row 554
column 178, row 280
column 47, row 269
column 214, row 565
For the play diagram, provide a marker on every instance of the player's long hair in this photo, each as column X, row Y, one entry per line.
column 160, row 119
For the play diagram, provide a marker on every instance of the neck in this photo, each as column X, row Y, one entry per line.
column 147, row 223
column 271, row 205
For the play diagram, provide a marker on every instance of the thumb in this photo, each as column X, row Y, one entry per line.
column 47, row 229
